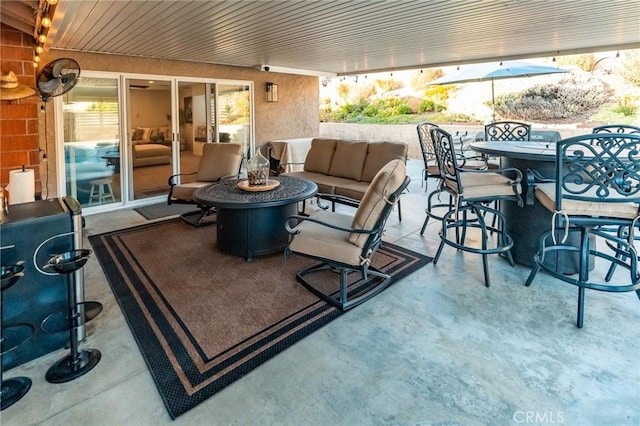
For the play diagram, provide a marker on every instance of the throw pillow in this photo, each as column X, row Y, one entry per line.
column 137, row 134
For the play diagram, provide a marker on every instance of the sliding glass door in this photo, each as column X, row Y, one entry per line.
column 150, row 136
column 91, row 142
column 124, row 136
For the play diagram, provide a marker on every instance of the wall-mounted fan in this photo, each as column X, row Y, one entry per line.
column 57, row 78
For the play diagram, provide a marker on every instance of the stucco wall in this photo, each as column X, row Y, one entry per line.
column 296, row 114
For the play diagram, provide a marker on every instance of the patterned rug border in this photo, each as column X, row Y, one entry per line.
column 184, row 389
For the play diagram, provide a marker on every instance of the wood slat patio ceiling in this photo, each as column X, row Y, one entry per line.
column 345, row 37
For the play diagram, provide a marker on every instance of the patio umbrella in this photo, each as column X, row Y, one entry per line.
column 492, row 71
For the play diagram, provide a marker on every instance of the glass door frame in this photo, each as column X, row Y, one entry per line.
column 126, row 166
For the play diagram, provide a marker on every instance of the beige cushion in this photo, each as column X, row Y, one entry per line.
column 386, row 181
column 151, row 150
column 352, row 189
column 348, row 159
column 546, row 194
column 185, row 191
column 379, row 154
column 320, row 155
column 483, row 185
column 326, row 184
column 324, row 242
column 219, row 160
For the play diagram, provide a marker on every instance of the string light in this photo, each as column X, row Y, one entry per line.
column 52, row 2
column 42, row 38
column 39, row 49
column 46, row 21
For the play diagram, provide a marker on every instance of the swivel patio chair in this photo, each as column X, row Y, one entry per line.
column 596, row 185
column 344, row 244
column 621, row 129
column 617, row 128
column 474, row 192
column 219, row 161
column 507, row 131
column 431, row 170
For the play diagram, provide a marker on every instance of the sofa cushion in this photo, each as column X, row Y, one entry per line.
column 379, row 154
column 385, row 183
column 151, row 150
column 326, row 184
column 320, row 155
column 352, row 189
column 348, row 159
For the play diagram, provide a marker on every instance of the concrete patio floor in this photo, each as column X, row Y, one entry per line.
column 437, row 347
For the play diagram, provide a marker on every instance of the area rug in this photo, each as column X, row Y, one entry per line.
column 203, row 319
column 160, row 210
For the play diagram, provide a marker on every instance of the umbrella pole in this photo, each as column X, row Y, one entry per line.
column 493, row 101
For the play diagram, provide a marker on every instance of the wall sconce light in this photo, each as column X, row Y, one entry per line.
column 272, row 92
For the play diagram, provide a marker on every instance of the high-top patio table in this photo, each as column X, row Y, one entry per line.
column 251, row 223
column 527, row 223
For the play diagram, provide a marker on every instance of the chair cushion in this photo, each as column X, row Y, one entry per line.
column 324, row 242
column 348, row 159
column 386, row 181
column 320, row 155
column 485, row 185
column 379, row 154
column 219, row 160
column 546, row 194
column 185, row 191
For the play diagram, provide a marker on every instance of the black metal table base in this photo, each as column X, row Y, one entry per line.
column 13, row 390
column 73, row 366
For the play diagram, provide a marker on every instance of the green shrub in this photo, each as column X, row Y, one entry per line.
column 626, row 107
column 427, row 105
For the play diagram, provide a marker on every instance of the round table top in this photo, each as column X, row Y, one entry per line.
column 226, row 194
column 522, row 150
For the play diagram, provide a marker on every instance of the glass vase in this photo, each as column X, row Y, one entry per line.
column 258, row 170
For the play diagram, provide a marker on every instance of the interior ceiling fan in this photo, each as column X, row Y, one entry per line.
column 57, row 78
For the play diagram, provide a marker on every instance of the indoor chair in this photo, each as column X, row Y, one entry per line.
column 475, row 193
column 219, row 161
column 344, row 244
column 596, row 185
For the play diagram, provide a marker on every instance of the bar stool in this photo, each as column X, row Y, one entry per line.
column 101, row 190
column 13, row 336
column 78, row 362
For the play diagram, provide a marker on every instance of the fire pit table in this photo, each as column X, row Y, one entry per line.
column 250, row 221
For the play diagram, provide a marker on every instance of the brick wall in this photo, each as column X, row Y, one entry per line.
column 19, row 118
